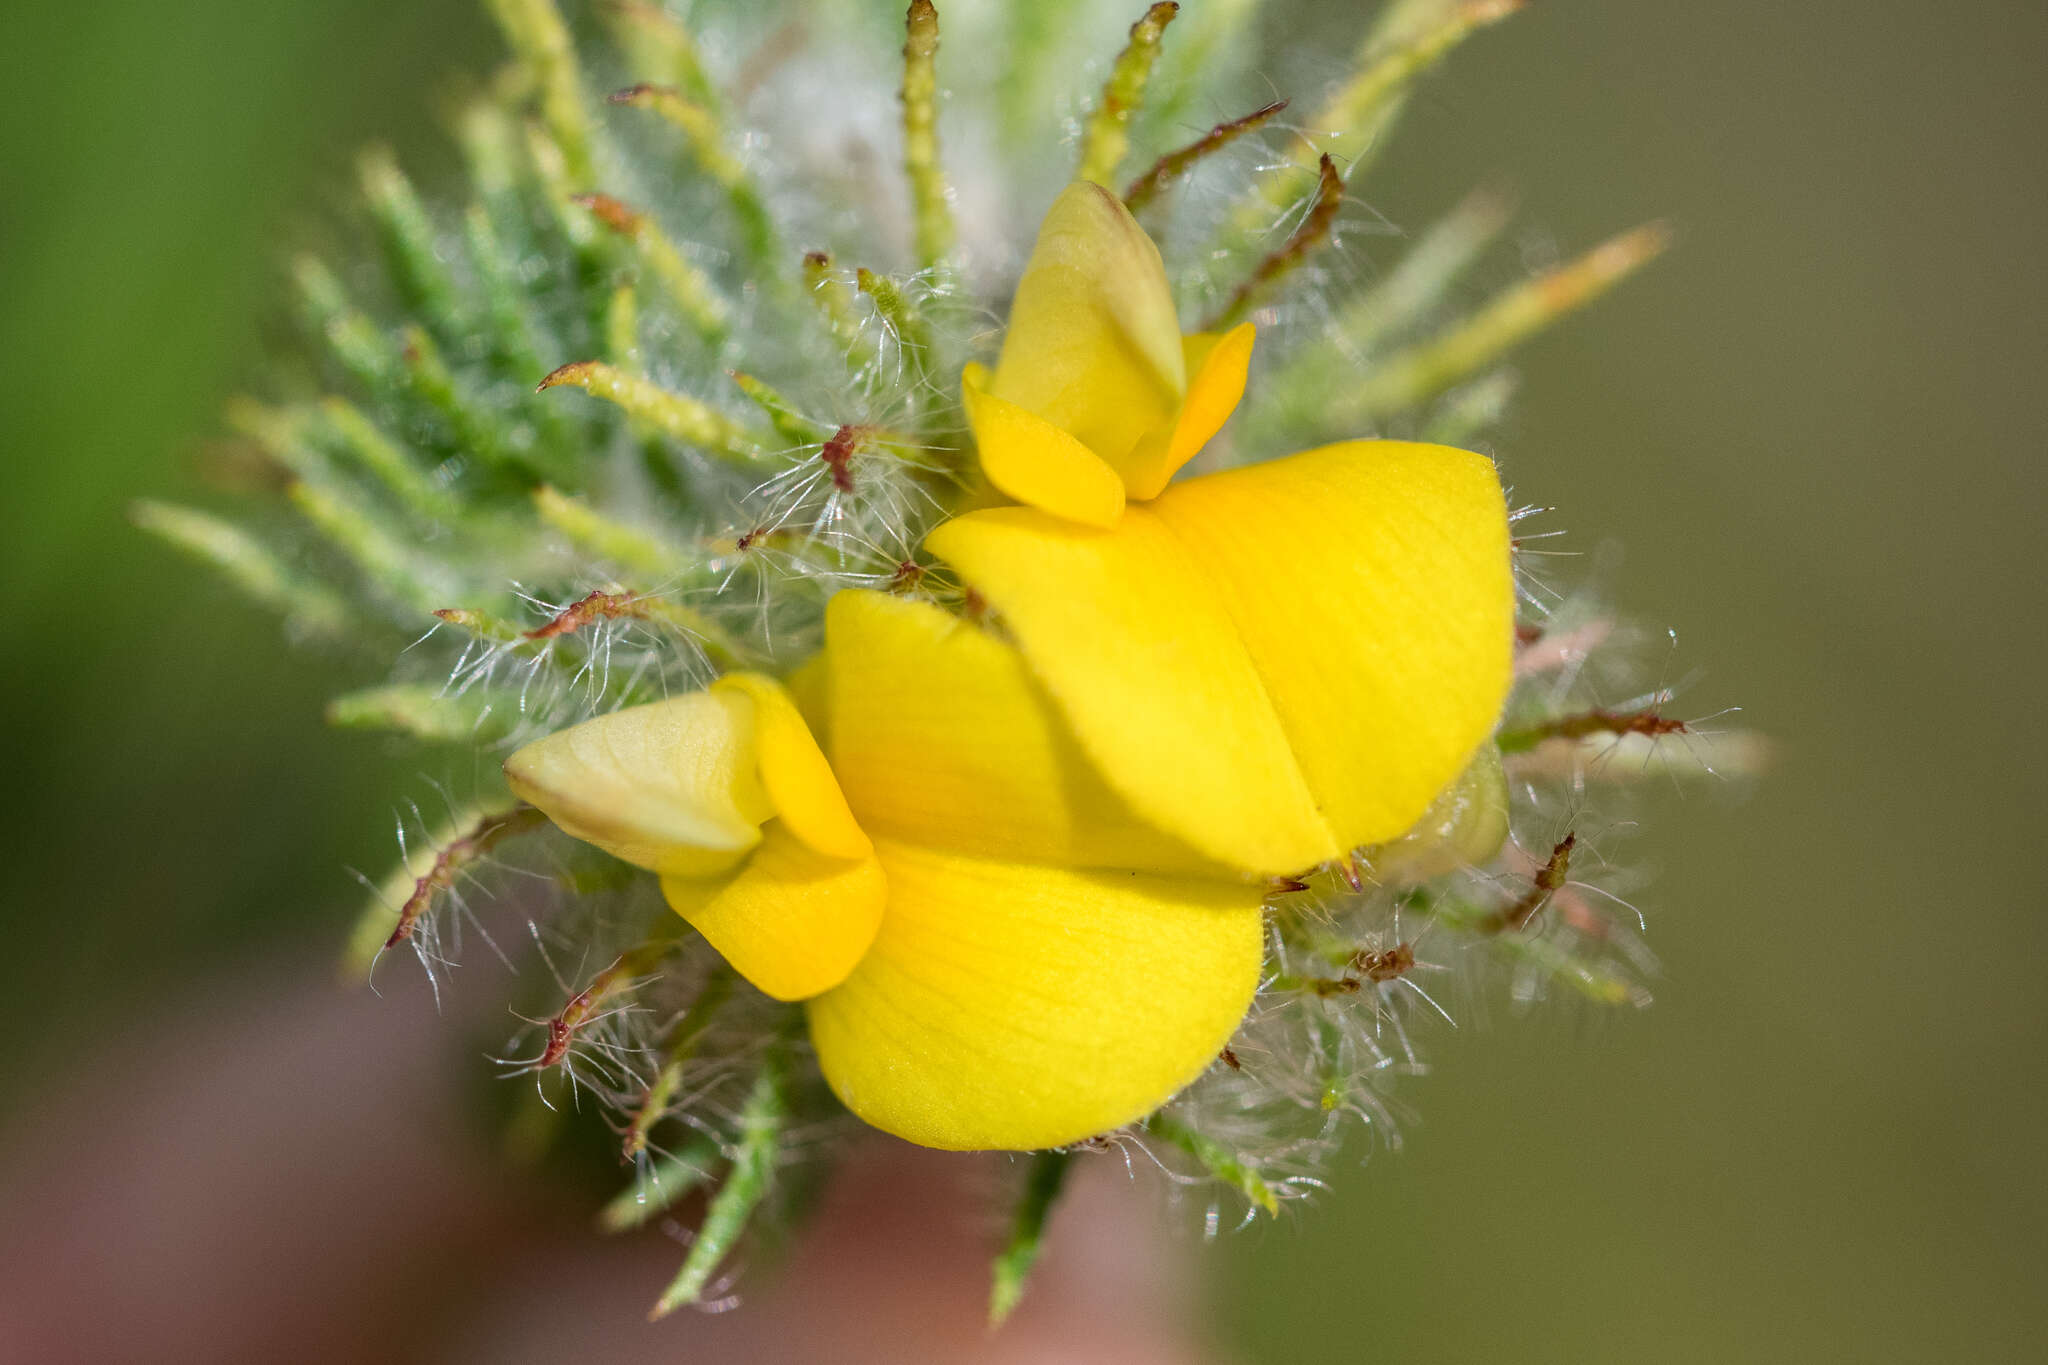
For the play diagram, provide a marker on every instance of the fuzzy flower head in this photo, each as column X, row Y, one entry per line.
column 1026, row 749
column 1024, row 907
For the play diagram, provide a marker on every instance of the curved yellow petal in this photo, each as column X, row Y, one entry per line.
column 942, row 736
column 1217, row 365
column 1035, row 462
column 1125, row 630
column 1093, row 344
column 793, row 922
column 1013, row 1006
column 1276, row 663
column 793, row 771
column 1371, row 584
column 672, row 786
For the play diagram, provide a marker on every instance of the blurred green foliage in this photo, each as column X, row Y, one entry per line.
column 1817, row 428
column 173, row 798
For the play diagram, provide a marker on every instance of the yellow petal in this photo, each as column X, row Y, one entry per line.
column 1371, row 584
column 1013, row 1006
column 1093, row 345
column 1125, row 632
column 1035, row 462
column 1217, row 366
column 793, row 922
column 671, row 786
column 1276, row 663
column 793, row 770
column 942, row 736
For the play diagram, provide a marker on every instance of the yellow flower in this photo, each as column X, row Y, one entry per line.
column 1275, row 664
column 1021, row 899
column 995, row 953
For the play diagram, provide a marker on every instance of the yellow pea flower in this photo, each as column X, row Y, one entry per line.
column 1020, row 900
column 994, row 952
column 1274, row 664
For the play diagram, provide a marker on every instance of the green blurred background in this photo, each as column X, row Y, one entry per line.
column 1819, row 427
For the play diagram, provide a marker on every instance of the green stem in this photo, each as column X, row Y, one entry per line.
column 676, row 415
column 536, row 32
column 248, row 564
column 423, row 278
column 930, row 204
column 667, row 1180
column 903, row 320
column 428, row 712
column 689, row 1032
column 1313, row 233
column 1108, row 136
column 1012, row 1268
column 746, row 1185
column 1218, row 1160
column 1178, row 162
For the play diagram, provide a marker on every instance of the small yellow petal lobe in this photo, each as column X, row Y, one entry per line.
column 1036, row 463
column 1217, row 365
column 793, row 921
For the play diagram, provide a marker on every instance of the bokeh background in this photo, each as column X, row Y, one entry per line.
column 1820, row 428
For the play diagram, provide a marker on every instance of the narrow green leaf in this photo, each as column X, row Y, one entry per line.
column 902, row 319
column 410, row 246
column 511, row 328
column 677, row 415
column 362, row 348
column 753, row 1170
column 703, row 129
column 415, row 887
column 536, row 33
column 1108, row 135
column 685, row 286
column 930, row 199
column 248, row 564
column 395, row 566
column 1294, row 400
column 791, row 425
column 380, row 457
column 640, row 552
column 428, row 711
column 1352, row 125
column 665, row 1181
column 1042, row 1185
column 659, row 47
column 835, row 301
column 1217, row 1159
column 682, row 1046
column 1465, row 412
column 1305, row 241
column 1178, row 162
column 1215, row 39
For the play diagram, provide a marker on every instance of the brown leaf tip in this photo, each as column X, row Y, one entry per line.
column 572, row 373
